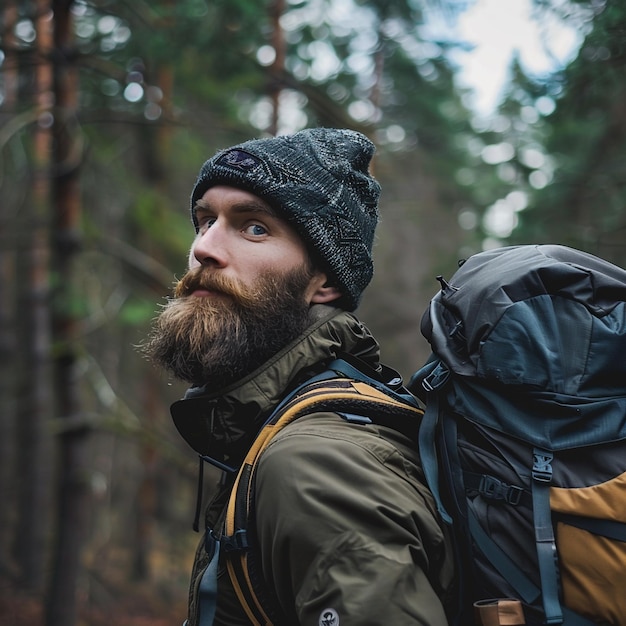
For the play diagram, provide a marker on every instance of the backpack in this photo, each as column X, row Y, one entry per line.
column 523, row 438
column 346, row 386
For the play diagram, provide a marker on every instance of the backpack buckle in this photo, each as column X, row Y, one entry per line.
column 514, row 495
column 237, row 542
column 542, row 466
column 494, row 489
column 437, row 378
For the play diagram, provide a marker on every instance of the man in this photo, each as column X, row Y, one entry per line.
column 346, row 532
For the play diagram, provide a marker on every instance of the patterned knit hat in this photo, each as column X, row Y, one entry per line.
column 318, row 181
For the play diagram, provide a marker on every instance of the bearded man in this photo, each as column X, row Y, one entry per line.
column 345, row 530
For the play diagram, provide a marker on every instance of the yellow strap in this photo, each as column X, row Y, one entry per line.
column 256, row 619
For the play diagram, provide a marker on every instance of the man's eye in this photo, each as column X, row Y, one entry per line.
column 256, row 230
column 206, row 222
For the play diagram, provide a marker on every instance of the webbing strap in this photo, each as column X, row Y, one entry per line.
column 428, row 453
column 397, row 392
column 611, row 529
column 526, row 588
column 436, row 378
column 251, row 603
column 343, row 367
column 544, row 535
column 207, row 590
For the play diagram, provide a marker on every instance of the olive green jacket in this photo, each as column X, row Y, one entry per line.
column 347, row 531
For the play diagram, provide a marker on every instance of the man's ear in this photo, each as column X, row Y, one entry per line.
column 325, row 294
column 321, row 292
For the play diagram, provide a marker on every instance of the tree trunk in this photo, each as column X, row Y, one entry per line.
column 73, row 449
column 8, row 345
column 7, row 405
column 34, row 394
column 278, row 66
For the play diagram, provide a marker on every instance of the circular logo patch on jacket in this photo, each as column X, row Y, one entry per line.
column 329, row 617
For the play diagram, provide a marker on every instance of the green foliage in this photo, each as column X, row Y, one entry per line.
column 137, row 311
column 152, row 218
column 584, row 206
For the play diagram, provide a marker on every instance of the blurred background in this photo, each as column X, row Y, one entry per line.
column 496, row 123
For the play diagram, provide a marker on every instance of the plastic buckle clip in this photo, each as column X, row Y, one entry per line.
column 542, row 466
column 237, row 542
column 437, row 378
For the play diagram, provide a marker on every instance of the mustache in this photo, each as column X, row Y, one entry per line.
column 200, row 278
column 203, row 278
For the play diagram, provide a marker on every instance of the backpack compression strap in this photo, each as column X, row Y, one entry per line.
column 356, row 401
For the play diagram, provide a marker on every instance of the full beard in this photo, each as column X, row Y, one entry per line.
column 217, row 340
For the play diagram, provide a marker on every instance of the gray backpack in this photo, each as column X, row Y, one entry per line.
column 523, row 439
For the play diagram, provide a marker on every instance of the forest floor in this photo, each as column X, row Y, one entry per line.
column 111, row 591
column 134, row 604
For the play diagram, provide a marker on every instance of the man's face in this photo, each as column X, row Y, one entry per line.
column 241, row 237
column 245, row 296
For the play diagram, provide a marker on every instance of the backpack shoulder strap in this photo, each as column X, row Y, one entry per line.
column 358, row 399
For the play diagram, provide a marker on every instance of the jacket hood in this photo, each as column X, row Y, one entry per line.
column 221, row 424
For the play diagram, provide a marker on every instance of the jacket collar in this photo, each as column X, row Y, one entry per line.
column 222, row 424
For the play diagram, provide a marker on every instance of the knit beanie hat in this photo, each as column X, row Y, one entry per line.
column 318, row 181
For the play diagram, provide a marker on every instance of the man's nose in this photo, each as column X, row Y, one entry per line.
column 209, row 247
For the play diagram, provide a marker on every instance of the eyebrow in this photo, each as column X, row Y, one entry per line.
column 247, row 206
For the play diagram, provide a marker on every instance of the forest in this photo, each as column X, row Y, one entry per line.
column 108, row 108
